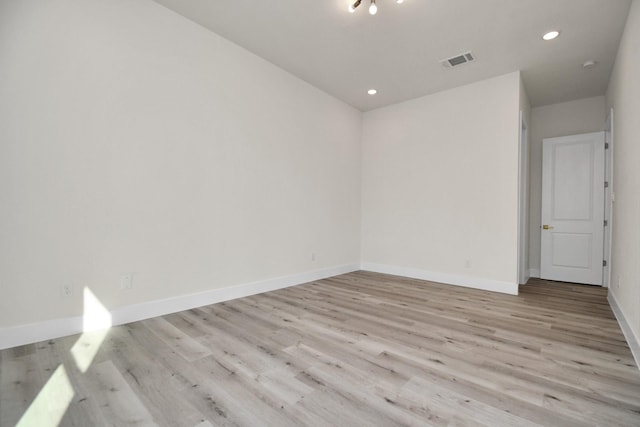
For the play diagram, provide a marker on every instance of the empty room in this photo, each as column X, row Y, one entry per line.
column 319, row 213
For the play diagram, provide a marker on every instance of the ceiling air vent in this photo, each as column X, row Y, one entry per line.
column 457, row 60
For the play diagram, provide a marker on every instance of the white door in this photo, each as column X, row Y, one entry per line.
column 573, row 208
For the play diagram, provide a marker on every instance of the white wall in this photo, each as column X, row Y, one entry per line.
column 624, row 96
column 133, row 140
column 568, row 118
column 440, row 186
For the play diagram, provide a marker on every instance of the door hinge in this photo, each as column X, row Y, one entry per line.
column 606, row 145
column 606, row 184
column 604, row 262
column 606, row 222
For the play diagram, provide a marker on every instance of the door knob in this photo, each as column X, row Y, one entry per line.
column 547, row 227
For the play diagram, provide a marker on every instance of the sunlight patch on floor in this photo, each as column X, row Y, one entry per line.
column 52, row 402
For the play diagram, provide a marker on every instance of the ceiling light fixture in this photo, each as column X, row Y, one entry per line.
column 372, row 91
column 551, row 35
column 373, row 9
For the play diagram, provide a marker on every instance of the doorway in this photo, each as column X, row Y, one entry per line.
column 573, row 200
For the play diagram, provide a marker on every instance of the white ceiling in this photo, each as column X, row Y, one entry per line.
column 397, row 51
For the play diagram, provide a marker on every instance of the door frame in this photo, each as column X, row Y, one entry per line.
column 523, row 202
column 609, row 199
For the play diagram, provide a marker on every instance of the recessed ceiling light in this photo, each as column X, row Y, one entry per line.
column 551, row 35
column 372, row 91
column 373, row 9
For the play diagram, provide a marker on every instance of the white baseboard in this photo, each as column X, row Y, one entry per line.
column 534, row 272
column 632, row 339
column 449, row 279
column 35, row 332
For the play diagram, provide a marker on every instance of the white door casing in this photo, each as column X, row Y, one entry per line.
column 573, row 183
column 608, row 198
column 523, row 203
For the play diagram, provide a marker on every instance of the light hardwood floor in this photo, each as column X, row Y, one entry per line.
column 354, row 350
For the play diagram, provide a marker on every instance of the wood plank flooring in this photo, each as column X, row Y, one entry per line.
column 360, row 349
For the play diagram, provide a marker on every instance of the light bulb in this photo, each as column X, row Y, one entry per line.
column 399, row 1
column 373, row 9
column 352, row 7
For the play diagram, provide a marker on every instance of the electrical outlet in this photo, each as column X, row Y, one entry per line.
column 126, row 282
column 66, row 290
